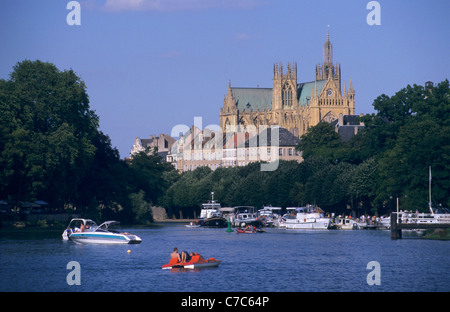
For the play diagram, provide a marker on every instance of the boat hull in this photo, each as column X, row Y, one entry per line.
column 318, row 224
column 196, row 262
column 217, row 222
column 242, row 231
column 104, row 238
column 191, row 266
column 244, row 222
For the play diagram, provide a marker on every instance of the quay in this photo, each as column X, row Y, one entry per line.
column 397, row 225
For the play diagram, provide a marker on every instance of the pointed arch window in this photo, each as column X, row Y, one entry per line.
column 286, row 96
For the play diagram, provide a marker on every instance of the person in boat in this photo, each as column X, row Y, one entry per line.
column 249, row 228
column 185, row 257
column 175, row 254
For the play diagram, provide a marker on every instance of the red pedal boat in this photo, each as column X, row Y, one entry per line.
column 196, row 262
column 249, row 231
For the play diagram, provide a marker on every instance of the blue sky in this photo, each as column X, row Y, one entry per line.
column 150, row 65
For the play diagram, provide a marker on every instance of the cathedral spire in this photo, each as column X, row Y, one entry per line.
column 350, row 88
column 328, row 50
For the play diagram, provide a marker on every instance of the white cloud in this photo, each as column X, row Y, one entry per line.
column 176, row 5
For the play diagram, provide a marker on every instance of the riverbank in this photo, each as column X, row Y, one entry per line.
column 439, row 234
column 53, row 224
column 175, row 220
column 60, row 220
column 38, row 220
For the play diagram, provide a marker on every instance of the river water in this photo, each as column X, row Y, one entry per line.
column 276, row 261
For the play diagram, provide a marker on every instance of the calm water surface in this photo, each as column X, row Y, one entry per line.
column 276, row 261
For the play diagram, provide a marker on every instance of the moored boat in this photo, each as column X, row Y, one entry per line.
column 192, row 225
column 269, row 215
column 246, row 215
column 86, row 231
column 385, row 223
column 196, row 262
column 211, row 216
column 308, row 217
column 345, row 223
column 437, row 215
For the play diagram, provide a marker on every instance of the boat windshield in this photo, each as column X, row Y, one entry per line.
column 105, row 226
column 211, row 205
column 87, row 224
column 295, row 210
column 244, row 209
column 267, row 211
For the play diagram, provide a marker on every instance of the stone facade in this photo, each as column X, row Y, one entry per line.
column 163, row 143
column 290, row 104
column 198, row 148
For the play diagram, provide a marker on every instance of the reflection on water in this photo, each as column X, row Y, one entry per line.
column 278, row 260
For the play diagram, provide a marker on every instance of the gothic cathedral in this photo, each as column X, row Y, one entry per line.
column 289, row 104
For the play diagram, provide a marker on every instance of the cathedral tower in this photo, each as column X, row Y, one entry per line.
column 284, row 87
column 328, row 68
column 290, row 104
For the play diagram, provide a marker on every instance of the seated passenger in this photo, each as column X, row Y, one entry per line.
column 185, row 257
column 175, row 254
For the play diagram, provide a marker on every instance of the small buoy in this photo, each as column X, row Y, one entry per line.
column 129, row 251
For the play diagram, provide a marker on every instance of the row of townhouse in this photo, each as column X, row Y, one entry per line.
column 196, row 148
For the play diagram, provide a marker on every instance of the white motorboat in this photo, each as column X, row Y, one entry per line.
column 306, row 218
column 269, row 215
column 385, row 223
column 86, row 231
column 345, row 224
column 246, row 215
column 437, row 215
column 192, row 225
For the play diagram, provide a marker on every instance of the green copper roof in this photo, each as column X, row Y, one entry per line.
column 259, row 99
column 255, row 99
column 305, row 90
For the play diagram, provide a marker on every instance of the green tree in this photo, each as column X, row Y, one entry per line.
column 321, row 140
column 416, row 127
column 46, row 133
column 142, row 211
column 363, row 186
column 148, row 175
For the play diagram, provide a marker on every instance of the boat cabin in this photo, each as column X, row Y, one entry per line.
column 245, row 212
column 269, row 211
column 269, row 215
column 345, row 224
column 210, row 209
column 308, row 211
column 246, row 215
